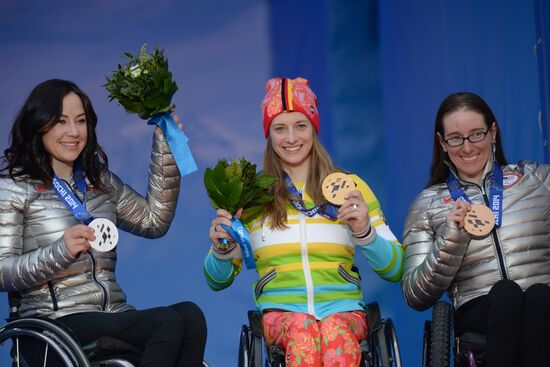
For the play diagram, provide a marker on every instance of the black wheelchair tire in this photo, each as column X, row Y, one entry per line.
column 439, row 340
column 244, row 347
column 426, row 343
column 394, row 344
column 383, row 351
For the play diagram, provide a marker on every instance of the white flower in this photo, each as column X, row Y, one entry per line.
column 135, row 71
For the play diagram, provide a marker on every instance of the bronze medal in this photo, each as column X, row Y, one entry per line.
column 479, row 221
column 336, row 186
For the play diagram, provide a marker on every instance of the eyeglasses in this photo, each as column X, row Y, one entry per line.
column 457, row 141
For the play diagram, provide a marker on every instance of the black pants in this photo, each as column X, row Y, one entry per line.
column 516, row 323
column 169, row 336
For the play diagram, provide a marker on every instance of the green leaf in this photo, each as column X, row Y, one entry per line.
column 233, row 185
column 265, row 181
column 209, row 182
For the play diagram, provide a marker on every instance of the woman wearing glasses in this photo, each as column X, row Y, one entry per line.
column 481, row 231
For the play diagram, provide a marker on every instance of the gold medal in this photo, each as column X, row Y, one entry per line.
column 479, row 221
column 336, row 186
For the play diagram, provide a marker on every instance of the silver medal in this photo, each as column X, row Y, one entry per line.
column 106, row 234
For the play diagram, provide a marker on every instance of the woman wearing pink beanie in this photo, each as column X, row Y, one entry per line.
column 308, row 289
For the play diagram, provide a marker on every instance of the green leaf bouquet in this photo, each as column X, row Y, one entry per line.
column 236, row 184
column 144, row 85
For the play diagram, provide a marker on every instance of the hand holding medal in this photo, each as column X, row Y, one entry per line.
column 339, row 189
column 77, row 239
column 336, row 187
column 476, row 219
column 101, row 233
column 479, row 221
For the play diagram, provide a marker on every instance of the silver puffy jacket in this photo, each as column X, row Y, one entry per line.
column 439, row 257
column 34, row 262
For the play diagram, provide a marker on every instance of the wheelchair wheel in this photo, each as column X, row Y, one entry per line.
column 40, row 342
column 426, row 343
column 386, row 347
column 382, row 347
column 395, row 353
column 439, row 336
column 244, row 347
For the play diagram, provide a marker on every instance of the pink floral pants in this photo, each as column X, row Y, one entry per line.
column 331, row 341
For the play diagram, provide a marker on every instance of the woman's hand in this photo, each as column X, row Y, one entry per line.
column 458, row 212
column 355, row 212
column 176, row 118
column 76, row 239
column 216, row 231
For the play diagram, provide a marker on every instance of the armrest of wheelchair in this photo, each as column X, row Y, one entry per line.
column 472, row 341
column 107, row 346
column 255, row 322
column 374, row 320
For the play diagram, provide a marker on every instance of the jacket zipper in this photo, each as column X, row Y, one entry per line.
column 348, row 277
column 103, row 290
column 262, row 282
column 495, row 237
column 52, row 294
column 307, row 269
column 94, row 276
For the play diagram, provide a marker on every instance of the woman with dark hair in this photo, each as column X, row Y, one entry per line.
column 308, row 289
column 55, row 182
column 494, row 263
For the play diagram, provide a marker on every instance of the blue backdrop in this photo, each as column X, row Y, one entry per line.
column 379, row 68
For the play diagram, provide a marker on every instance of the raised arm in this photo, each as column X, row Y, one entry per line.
column 149, row 216
column 382, row 249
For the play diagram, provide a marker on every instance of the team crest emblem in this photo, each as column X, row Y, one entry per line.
column 510, row 179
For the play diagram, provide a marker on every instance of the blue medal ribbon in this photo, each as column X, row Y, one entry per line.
column 495, row 184
column 177, row 141
column 67, row 197
column 327, row 210
column 240, row 234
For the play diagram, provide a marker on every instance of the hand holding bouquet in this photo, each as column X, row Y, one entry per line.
column 235, row 185
column 144, row 86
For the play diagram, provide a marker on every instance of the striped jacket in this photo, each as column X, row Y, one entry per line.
column 309, row 266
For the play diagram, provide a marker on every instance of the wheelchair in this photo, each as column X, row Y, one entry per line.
column 469, row 348
column 380, row 349
column 39, row 342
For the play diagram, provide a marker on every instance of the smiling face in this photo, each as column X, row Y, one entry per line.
column 67, row 138
column 291, row 136
column 469, row 158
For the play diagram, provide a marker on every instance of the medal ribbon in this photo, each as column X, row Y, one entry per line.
column 327, row 210
column 495, row 184
column 240, row 234
column 67, row 197
column 177, row 141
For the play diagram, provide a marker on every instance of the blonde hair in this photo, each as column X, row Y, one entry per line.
column 320, row 166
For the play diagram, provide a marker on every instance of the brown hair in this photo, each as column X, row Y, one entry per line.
column 439, row 171
column 320, row 166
